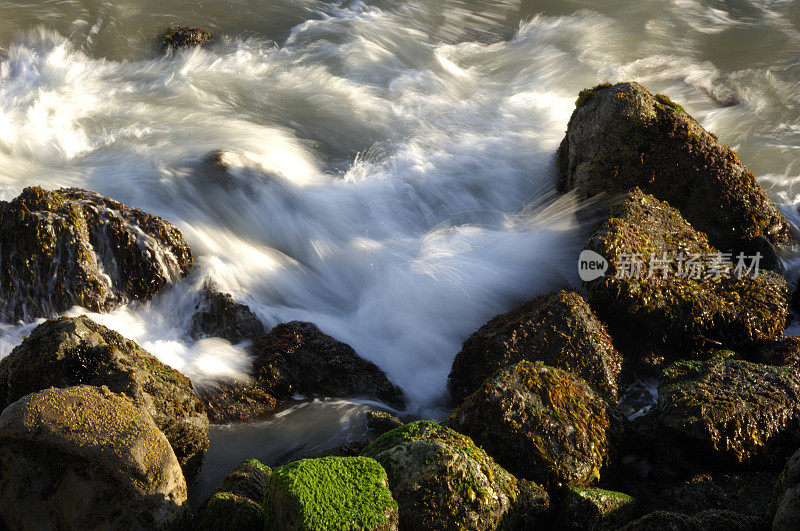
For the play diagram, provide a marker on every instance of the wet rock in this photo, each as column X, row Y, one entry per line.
column 540, row 423
column 596, row 509
column 65, row 352
column 70, row 246
column 218, row 315
column 530, row 509
column 179, row 37
column 330, row 493
column 238, row 504
column 622, row 136
column 558, row 329
column 86, row 458
column 785, row 508
column 441, row 480
column 783, row 351
column 379, row 422
column 711, row 520
column 677, row 306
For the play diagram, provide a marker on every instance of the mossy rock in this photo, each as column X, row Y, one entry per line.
column 540, row 423
column 558, row 329
column 380, row 422
column 669, row 308
column 73, row 247
column 442, row 480
column 238, row 504
column 218, row 315
column 330, row 493
column 179, row 37
column 65, row 352
column 86, row 458
column 596, row 509
column 621, row 136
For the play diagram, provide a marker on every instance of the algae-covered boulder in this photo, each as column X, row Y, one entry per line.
column 441, row 479
column 70, row 246
column 729, row 411
column 65, row 352
column 665, row 283
column 218, row 315
column 86, row 458
column 380, row 422
column 595, row 509
column 238, row 504
column 178, row 37
column 540, row 423
column 330, row 493
column 558, row 329
column 622, row 136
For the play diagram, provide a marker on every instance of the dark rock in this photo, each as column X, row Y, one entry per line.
column 72, row 351
column 238, row 504
column 441, row 480
column 530, row 509
column 718, row 520
column 621, row 136
column 540, row 423
column 70, row 246
column 558, row 329
column 217, row 315
column 763, row 254
column 785, row 507
column 783, row 351
column 664, row 521
column 671, row 308
column 86, row 458
column 379, row 422
column 596, row 509
column 179, row 37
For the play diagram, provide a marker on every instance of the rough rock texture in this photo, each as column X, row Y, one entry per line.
column 238, row 503
column 669, row 308
column 71, row 351
column 595, row 509
column 529, row 510
column 785, row 509
column 558, row 329
column 70, row 246
column 540, row 423
column 711, row 520
column 218, row 315
column 178, row 37
column 86, row 458
column 622, row 136
column 729, row 411
column 379, row 422
column 330, row 493
column 441, row 480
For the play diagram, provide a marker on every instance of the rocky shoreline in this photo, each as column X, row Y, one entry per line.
column 95, row 432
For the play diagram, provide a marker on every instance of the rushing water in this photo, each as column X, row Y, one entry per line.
column 395, row 183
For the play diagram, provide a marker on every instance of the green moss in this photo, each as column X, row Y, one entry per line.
column 587, row 94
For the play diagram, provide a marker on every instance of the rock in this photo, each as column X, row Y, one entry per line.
column 86, row 458
column 711, row 520
column 179, row 37
column 70, row 246
column 441, row 480
column 718, row 520
column 558, row 329
column 621, row 136
column 785, row 507
column 217, row 315
column 670, row 308
column 783, row 351
column 238, row 504
column 540, row 423
column 529, row 510
column 379, row 422
column 65, row 352
column 596, row 509
column 227, row 402
column 330, row 493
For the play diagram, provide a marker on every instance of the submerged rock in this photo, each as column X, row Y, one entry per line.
column 218, row 315
column 675, row 307
column 65, row 352
column 86, row 458
column 540, row 423
column 330, row 493
column 622, row 136
column 558, row 329
column 441, row 480
column 70, row 246
column 596, row 509
column 238, row 504
column 178, row 37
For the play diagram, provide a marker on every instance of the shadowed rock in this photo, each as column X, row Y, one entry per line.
column 179, row 37
column 218, row 315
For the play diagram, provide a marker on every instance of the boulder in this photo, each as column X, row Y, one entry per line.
column 709, row 520
column 179, row 37
column 530, row 509
column 379, row 422
column 679, row 306
column 540, row 423
column 441, row 479
column 86, row 458
column 72, row 247
column 785, row 507
column 218, row 315
column 622, row 136
column 65, row 352
column 596, row 509
column 558, row 329
column 330, row 493
column 238, row 504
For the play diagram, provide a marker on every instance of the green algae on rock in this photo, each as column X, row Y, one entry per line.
column 441, row 479
column 86, row 458
column 239, row 501
column 558, row 329
column 673, row 309
column 622, row 136
column 330, row 493
column 540, row 423
column 596, row 509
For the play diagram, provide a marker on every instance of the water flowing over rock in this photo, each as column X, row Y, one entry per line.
column 86, row 458
column 178, row 37
column 65, row 352
column 70, row 246
column 622, row 136
column 218, row 315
